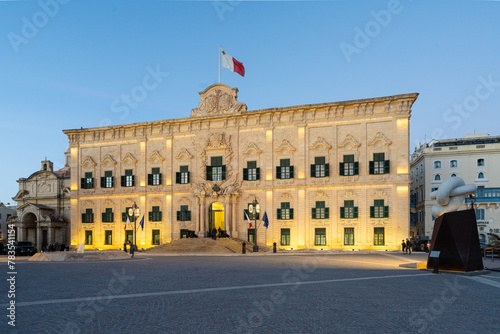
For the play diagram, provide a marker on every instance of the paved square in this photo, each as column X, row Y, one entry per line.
column 334, row 293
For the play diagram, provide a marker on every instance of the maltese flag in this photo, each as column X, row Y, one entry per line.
column 231, row 63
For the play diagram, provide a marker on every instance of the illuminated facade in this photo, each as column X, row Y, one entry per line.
column 330, row 175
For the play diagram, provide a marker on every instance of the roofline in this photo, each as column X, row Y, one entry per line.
column 412, row 96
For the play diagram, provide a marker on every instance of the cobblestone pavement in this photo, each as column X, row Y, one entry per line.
column 340, row 293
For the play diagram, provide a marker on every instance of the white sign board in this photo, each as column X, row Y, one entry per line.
column 435, row 254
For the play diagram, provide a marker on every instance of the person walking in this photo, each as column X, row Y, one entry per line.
column 404, row 245
column 132, row 248
column 408, row 246
column 214, row 233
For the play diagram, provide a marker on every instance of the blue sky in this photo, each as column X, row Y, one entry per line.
column 66, row 64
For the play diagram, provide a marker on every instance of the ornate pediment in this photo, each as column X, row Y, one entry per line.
column 88, row 204
column 155, row 157
column 108, row 160
column 218, row 99
column 218, row 140
column 379, row 140
column 349, row 142
column 108, row 203
column 251, row 148
column 285, row 145
column 378, row 194
column 129, row 159
column 88, row 162
column 321, row 195
column 319, row 143
column 155, row 201
column 184, row 154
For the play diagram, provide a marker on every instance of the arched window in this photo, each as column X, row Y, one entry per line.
column 437, row 164
column 480, row 175
column 44, row 166
column 453, row 164
column 437, row 177
column 453, row 175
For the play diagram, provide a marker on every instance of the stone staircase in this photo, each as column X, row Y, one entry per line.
column 205, row 245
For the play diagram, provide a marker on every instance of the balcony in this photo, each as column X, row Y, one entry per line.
column 486, row 195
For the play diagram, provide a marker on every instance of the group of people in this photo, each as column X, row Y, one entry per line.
column 53, row 247
column 407, row 246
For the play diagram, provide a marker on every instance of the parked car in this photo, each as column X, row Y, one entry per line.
column 5, row 250
column 25, row 248
column 422, row 246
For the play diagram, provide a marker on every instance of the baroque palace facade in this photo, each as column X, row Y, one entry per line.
column 329, row 175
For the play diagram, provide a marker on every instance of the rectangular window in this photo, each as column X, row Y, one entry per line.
column 251, row 173
column 108, row 181
column 349, row 167
column 125, row 214
column 378, row 210
column 154, row 179
column 320, row 236
column 349, row 236
column 128, row 180
column 285, row 212
column 87, row 182
column 184, row 214
column 156, row 237
column 155, row 214
column 108, row 237
column 107, row 216
column 88, row 237
column 285, row 237
column 320, row 168
column 378, row 236
column 182, row 177
column 284, row 170
column 88, row 216
column 129, row 235
column 480, row 214
column 320, row 211
column 251, row 235
column 379, row 165
column 217, row 171
column 349, row 211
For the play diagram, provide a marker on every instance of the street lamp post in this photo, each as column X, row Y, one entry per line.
column 134, row 213
column 254, row 210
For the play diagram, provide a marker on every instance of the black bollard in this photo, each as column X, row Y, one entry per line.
column 243, row 248
column 274, row 247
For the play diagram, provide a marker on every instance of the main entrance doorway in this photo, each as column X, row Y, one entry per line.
column 216, row 217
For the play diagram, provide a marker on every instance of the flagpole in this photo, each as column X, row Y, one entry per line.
column 219, row 63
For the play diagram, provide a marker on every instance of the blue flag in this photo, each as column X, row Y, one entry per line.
column 265, row 220
column 142, row 223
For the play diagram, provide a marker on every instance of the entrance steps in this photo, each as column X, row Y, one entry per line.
column 205, row 245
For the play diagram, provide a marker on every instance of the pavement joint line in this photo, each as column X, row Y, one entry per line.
column 484, row 281
column 193, row 291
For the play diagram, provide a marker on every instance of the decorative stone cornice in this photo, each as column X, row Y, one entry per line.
column 183, row 155
column 108, row 160
column 319, row 143
column 156, row 157
column 129, row 159
column 379, row 139
column 349, row 141
column 251, row 147
column 285, row 145
column 88, row 162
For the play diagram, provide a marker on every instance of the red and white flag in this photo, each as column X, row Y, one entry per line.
column 126, row 223
column 231, row 63
column 249, row 222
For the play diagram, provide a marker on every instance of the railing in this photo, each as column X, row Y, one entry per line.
column 486, row 195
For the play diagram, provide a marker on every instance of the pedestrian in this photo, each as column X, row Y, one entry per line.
column 408, row 246
column 404, row 245
column 214, row 233
column 132, row 248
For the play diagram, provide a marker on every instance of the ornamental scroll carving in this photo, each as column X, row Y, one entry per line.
column 218, row 99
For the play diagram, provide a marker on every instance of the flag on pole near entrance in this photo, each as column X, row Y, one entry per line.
column 126, row 223
column 142, row 223
column 231, row 63
column 249, row 222
column 265, row 220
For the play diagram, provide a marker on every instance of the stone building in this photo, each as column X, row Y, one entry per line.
column 474, row 159
column 43, row 206
column 328, row 175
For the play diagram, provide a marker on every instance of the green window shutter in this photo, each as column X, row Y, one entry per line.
column 112, row 181
column 291, row 172
column 356, row 168
column 91, row 217
column 372, row 212
column 386, row 211
column 313, row 213
column 112, row 217
column 245, row 174
column 327, row 170
column 150, row 216
column 103, row 218
column 278, row 172
column 327, row 213
column 278, row 213
column 159, row 216
column 291, row 213
column 83, row 218
column 224, row 172
column 92, row 183
column 103, row 182
column 179, row 215
column 372, row 167
column 313, row 170
column 177, row 177
column 82, row 183
column 209, row 173
column 133, row 180
column 342, row 212
column 355, row 212
column 187, row 178
column 159, row 178
column 341, row 168
column 188, row 215
column 150, row 179
column 124, row 217
column 387, row 166
column 257, row 174
column 123, row 180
